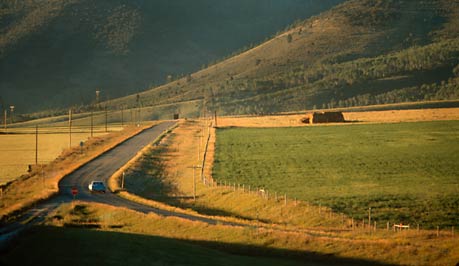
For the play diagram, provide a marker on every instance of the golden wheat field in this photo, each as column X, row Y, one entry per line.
column 391, row 116
column 17, row 151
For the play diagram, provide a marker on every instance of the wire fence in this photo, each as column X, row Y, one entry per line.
column 347, row 223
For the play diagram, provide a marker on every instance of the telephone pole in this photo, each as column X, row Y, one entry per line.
column 106, row 118
column 194, row 180
column 369, row 217
column 97, row 99
column 194, row 184
column 138, row 106
column 92, row 123
column 12, row 113
column 36, row 145
column 5, row 112
column 70, row 128
column 122, row 116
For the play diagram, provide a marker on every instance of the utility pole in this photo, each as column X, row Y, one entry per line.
column 369, row 217
column 194, row 184
column 194, row 180
column 5, row 112
column 199, row 149
column 138, row 106
column 122, row 180
column 12, row 113
column 140, row 117
column 97, row 99
column 36, row 145
column 106, row 118
column 92, row 123
column 122, row 116
column 215, row 118
column 70, row 128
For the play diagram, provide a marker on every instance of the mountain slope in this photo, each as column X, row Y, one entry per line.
column 56, row 53
column 360, row 52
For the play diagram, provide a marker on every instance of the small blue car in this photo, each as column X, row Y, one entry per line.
column 97, row 186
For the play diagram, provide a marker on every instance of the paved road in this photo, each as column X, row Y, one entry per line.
column 105, row 165
column 101, row 169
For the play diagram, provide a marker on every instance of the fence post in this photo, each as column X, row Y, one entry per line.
column 275, row 196
column 285, row 199
column 452, row 231
column 438, row 231
column 387, row 226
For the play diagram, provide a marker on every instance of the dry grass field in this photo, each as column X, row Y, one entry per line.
column 17, row 151
column 392, row 116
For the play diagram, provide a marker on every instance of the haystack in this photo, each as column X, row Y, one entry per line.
column 323, row 117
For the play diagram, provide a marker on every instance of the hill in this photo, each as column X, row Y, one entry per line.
column 360, row 52
column 56, row 53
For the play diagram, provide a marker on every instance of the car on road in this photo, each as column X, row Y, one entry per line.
column 97, row 186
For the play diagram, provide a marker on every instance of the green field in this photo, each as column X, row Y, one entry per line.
column 406, row 172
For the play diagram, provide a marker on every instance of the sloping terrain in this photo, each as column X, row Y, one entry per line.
column 56, row 53
column 358, row 53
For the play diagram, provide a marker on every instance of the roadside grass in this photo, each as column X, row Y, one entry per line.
column 125, row 237
column 404, row 172
column 42, row 182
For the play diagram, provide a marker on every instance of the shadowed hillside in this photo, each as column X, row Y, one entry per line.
column 56, row 53
column 358, row 53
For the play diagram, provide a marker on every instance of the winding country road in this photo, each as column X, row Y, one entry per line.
column 100, row 169
column 106, row 165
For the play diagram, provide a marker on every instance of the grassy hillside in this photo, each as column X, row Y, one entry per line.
column 358, row 53
column 57, row 53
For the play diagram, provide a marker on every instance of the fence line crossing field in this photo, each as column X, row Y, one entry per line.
column 405, row 172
